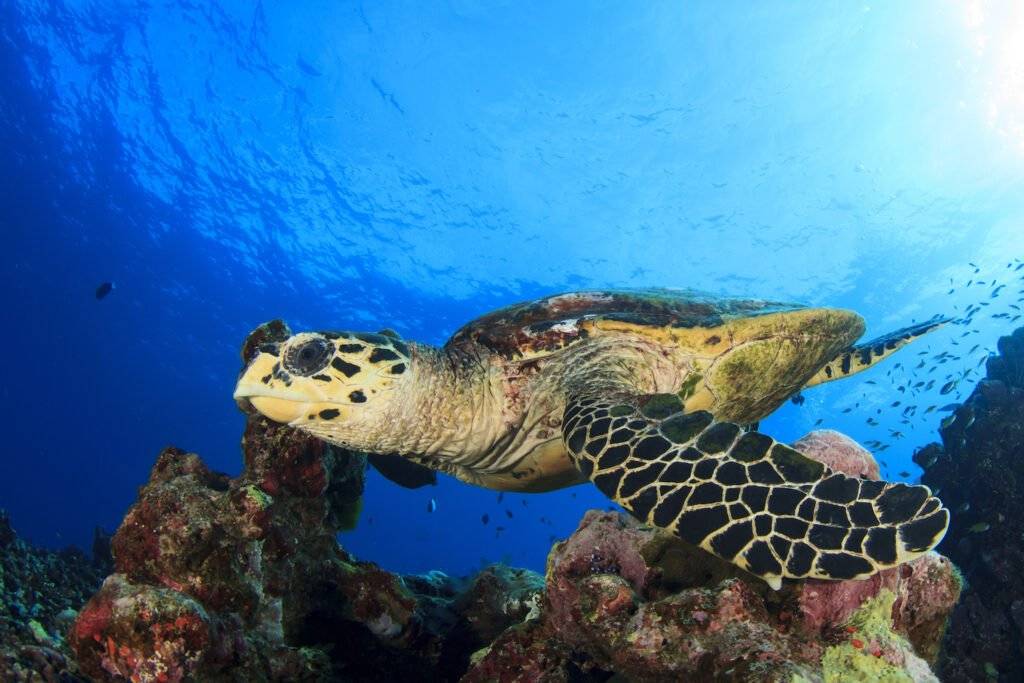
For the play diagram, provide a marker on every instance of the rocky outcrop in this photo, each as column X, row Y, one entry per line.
column 978, row 470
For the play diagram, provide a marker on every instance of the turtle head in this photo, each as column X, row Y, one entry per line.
column 339, row 386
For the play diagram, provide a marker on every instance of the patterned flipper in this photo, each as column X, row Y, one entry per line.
column 744, row 496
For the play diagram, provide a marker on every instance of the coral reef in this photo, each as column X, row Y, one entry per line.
column 626, row 598
column 979, row 471
column 39, row 593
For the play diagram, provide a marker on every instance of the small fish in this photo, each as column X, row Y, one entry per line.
column 949, row 407
column 508, row 513
column 819, row 421
column 485, row 518
column 798, row 400
column 964, row 508
column 870, row 381
column 501, row 496
column 104, row 289
column 846, row 410
column 432, row 505
column 979, row 528
column 904, row 474
column 948, row 420
column 894, row 404
column 948, row 387
column 929, row 409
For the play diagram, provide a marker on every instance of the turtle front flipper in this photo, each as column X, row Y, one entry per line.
column 743, row 496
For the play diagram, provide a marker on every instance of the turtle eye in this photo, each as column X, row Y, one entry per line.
column 308, row 357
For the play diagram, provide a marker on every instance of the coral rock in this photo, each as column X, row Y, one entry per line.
column 839, row 452
column 978, row 471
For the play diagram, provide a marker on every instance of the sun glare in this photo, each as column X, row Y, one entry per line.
column 996, row 31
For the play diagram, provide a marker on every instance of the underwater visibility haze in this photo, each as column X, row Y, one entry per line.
column 176, row 174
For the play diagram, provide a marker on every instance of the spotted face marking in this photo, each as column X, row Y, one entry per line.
column 760, row 504
column 322, row 382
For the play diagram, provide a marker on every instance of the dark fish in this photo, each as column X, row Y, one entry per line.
column 508, row 513
column 948, row 387
column 904, row 474
column 485, row 518
column 798, row 400
column 846, row 410
column 501, row 496
column 819, row 421
column 949, row 407
column 894, row 404
column 104, row 289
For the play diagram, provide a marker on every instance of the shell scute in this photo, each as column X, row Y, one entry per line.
column 544, row 326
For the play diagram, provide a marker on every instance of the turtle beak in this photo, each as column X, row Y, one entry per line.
column 256, row 390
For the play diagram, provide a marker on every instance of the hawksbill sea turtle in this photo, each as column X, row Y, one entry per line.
column 653, row 395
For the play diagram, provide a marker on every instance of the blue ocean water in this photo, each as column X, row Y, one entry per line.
column 414, row 165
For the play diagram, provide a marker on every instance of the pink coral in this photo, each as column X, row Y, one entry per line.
column 839, row 452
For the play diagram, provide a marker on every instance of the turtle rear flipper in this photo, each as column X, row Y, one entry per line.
column 863, row 356
column 743, row 496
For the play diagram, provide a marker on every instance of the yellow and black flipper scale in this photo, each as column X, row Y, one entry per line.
column 743, row 496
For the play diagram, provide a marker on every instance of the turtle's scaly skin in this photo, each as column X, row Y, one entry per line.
column 642, row 392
